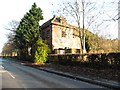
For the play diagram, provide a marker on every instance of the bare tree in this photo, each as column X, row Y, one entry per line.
column 9, row 46
column 12, row 26
column 81, row 11
column 86, row 14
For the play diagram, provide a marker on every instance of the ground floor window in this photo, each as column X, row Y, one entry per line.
column 63, row 51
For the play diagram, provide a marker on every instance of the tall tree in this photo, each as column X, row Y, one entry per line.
column 28, row 34
column 78, row 9
column 10, row 46
column 85, row 14
column 28, row 31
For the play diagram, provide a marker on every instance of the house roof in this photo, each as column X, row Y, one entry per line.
column 56, row 20
column 59, row 21
column 47, row 23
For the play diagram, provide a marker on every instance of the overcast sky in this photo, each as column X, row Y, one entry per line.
column 15, row 9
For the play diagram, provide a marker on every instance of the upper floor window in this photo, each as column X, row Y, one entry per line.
column 63, row 34
column 43, row 35
column 75, row 33
column 48, row 33
column 58, row 20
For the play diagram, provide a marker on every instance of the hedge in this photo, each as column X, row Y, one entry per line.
column 100, row 60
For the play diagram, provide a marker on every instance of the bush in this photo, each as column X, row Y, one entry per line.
column 98, row 61
column 41, row 52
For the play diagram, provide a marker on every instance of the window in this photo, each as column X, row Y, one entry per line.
column 75, row 33
column 43, row 35
column 48, row 33
column 63, row 34
column 58, row 20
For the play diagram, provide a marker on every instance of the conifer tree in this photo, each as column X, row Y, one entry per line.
column 28, row 34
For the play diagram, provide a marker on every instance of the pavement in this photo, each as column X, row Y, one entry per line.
column 113, row 85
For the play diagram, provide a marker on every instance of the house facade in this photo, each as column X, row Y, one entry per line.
column 59, row 36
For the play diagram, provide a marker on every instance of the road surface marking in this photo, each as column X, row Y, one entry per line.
column 2, row 71
column 10, row 74
column 1, row 66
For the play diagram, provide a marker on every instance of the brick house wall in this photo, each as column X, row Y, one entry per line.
column 59, row 36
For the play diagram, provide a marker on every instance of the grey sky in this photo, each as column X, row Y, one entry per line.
column 15, row 9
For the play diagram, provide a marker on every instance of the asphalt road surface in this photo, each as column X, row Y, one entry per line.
column 14, row 75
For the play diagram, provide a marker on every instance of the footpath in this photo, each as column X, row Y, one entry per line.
column 113, row 85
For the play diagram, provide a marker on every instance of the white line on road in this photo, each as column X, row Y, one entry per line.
column 2, row 67
column 10, row 74
column 7, row 72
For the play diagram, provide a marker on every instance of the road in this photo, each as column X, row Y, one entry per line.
column 15, row 75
